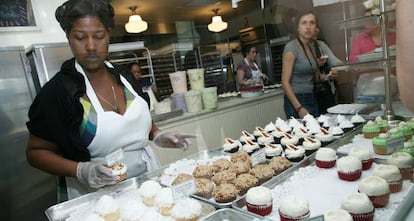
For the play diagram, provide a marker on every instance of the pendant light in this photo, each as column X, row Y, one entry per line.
column 135, row 23
column 217, row 24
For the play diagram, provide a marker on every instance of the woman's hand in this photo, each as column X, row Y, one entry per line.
column 173, row 140
column 302, row 112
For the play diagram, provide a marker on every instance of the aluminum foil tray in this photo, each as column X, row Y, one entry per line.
column 62, row 211
column 228, row 214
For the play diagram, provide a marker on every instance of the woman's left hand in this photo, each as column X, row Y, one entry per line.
column 173, row 140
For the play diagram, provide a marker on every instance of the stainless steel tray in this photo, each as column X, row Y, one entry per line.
column 62, row 211
column 231, row 214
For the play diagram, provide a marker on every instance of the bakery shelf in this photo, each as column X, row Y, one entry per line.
column 359, row 22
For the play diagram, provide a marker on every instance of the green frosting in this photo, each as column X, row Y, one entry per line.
column 382, row 123
column 409, row 150
column 399, row 133
column 371, row 128
column 379, row 141
column 406, row 130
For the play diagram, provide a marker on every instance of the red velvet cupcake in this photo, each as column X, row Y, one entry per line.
column 259, row 200
column 325, row 157
column 391, row 174
column 359, row 206
column 377, row 190
column 294, row 209
column 364, row 155
column 349, row 168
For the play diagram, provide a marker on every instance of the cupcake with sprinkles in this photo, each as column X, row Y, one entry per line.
column 288, row 139
column 294, row 153
column 273, row 150
column 311, row 145
column 231, row 146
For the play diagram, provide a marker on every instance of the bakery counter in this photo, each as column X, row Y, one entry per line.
column 228, row 120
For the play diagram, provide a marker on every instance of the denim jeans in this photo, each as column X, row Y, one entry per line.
column 307, row 100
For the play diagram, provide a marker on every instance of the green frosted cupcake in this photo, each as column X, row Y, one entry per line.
column 370, row 130
column 396, row 133
column 410, row 124
column 383, row 124
column 408, row 133
column 409, row 150
column 380, row 143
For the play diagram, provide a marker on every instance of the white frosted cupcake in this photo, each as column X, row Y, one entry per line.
column 250, row 147
column 293, row 209
column 278, row 134
column 231, row 146
column 186, row 209
column 301, row 132
column 404, row 161
column 325, row 157
column 294, row 153
column 391, row 174
column 246, row 136
column 324, row 136
column 337, row 215
column 119, row 169
column 132, row 210
column 107, row 208
column 164, row 201
column 264, row 138
column 259, row 200
column 364, row 155
column 377, row 190
column 346, row 125
column 336, row 131
column 311, row 145
column 349, row 168
column 359, row 206
column 289, row 139
column 258, row 132
column 357, row 120
column 148, row 190
column 93, row 217
column 273, row 150
column 270, row 127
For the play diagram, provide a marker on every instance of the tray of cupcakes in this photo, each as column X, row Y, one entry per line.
column 325, row 185
column 131, row 199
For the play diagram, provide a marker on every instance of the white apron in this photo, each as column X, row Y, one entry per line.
column 128, row 132
column 256, row 74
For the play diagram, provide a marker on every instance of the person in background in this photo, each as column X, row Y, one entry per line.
column 299, row 69
column 325, row 58
column 88, row 114
column 405, row 52
column 135, row 69
column 248, row 73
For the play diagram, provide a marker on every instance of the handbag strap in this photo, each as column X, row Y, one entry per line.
column 316, row 76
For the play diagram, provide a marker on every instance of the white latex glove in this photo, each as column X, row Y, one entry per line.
column 173, row 140
column 95, row 175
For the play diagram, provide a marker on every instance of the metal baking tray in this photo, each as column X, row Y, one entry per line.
column 228, row 214
column 62, row 211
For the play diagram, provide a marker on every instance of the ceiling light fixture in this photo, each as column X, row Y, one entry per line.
column 217, row 24
column 135, row 23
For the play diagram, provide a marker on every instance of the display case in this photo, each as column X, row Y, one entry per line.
column 382, row 59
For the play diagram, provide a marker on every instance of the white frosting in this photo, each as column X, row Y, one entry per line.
column 278, row 132
column 164, row 197
column 393, row 130
column 118, row 168
column 132, row 209
column 246, row 136
column 361, row 153
column 301, row 132
column 294, row 206
column 93, row 217
column 336, row 131
column 346, row 124
column 378, row 118
column 293, row 122
column 374, row 186
column 186, row 208
column 269, row 127
column 348, row 164
column 340, row 118
column 293, row 151
column 370, row 123
column 259, row 195
column 250, row 146
column 401, row 160
column 337, row 215
column 258, row 131
column 324, row 135
column 151, row 215
column 325, row 154
column 289, row 139
column 357, row 203
column 311, row 144
column 357, row 119
column 309, row 117
column 383, row 135
column 313, row 127
column 265, row 138
column 106, row 204
column 273, row 149
column 149, row 188
column 231, row 144
column 322, row 118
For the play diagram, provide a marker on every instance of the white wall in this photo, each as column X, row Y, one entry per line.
column 50, row 30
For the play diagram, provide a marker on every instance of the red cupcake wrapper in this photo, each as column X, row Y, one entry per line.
column 284, row 217
column 366, row 164
column 259, row 209
column 395, row 186
column 350, row 176
column 406, row 173
column 325, row 164
column 363, row 216
column 380, row 201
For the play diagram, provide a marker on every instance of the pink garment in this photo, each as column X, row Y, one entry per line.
column 363, row 43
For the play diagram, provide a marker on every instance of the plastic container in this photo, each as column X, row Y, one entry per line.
column 193, row 101
column 178, row 101
column 196, row 77
column 178, row 81
column 209, row 97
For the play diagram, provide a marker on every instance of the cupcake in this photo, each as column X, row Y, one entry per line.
column 224, row 176
column 364, row 155
column 322, row 119
column 270, row 127
column 301, row 133
column 370, row 130
column 294, row 209
column 119, row 169
column 273, row 150
column 311, row 145
column 407, row 132
column 288, row 139
column 324, row 136
column 382, row 124
column 279, row 164
column 391, row 174
column 377, row 190
column 346, row 126
column 93, row 217
column 258, row 132
column 396, row 133
column 246, row 136
column 294, row 153
column 186, row 209
column 336, row 131
column 277, row 135
column 380, row 144
column 239, row 167
column 231, row 146
column 203, row 171
column 132, row 210
column 148, row 191
column 240, row 156
column 349, row 168
column 357, row 120
column 265, row 138
column 259, row 200
column 164, row 201
column 221, row 164
column 225, row 193
column 404, row 162
column 408, row 147
column 204, row 187
column 262, row 172
column 282, row 124
column 181, row 178
column 337, row 215
column 359, row 206
column 325, row 157
column 250, row 147
column 410, row 123
column 107, row 208
column 245, row 181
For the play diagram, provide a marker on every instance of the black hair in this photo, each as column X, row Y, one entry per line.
column 134, row 63
column 246, row 49
column 71, row 10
